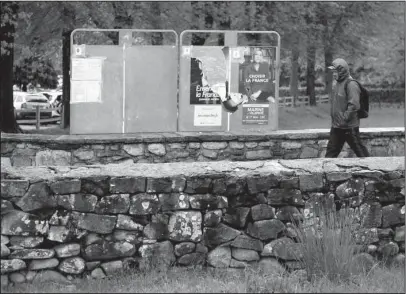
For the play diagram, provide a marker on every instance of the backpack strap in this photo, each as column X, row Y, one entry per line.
column 346, row 85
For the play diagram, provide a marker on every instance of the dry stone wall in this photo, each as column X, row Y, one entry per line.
column 95, row 221
column 38, row 150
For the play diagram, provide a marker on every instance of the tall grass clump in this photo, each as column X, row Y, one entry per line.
column 328, row 244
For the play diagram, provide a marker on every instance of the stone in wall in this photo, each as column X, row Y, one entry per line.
column 106, row 250
column 158, row 254
column 159, row 185
column 288, row 213
column 5, row 251
column 283, row 248
column 127, row 185
column 98, row 185
column 234, row 186
column 12, row 265
column 219, row 257
column 262, row 212
column 77, row 202
column 72, row 265
column 144, row 204
column 6, row 206
column 400, row 234
column 34, row 253
column 174, row 201
column 113, row 204
column 371, row 215
column 52, row 158
column 278, row 197
column 26, row 242
column 41, row 264
column 103, row 224
column 66, row 186
column 392, row 215
column 67, row 250
column 212, row 218
column 198, row 185
column 192, row 259
column 236, row 217
column 112, row 267
column 156, row 231
column 207, row 201
column 37, row 197
column 247, row 242
column 18, row 223
column 13, row 188
column 126, row 222
column 242, row 254
column 219, row 234
column 261, row 184
column 351, row 188
column 59, row 234
column 185, row 226
column 265, row 229
column 184, row 248
column 311, row 183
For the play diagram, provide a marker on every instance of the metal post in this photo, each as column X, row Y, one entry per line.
column 37, row 116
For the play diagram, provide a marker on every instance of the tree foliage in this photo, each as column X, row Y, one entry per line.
column 369, row 35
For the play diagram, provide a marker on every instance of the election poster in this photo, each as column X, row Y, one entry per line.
column 208, row 74
column 256, row 81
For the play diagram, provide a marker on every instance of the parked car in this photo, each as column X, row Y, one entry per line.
column 55, row 98
column 28, row 101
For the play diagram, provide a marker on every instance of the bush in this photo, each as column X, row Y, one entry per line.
column 396, row 95
column 328, row 245
column 285, row 91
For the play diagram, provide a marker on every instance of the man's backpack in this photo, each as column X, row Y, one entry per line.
column 363, row 111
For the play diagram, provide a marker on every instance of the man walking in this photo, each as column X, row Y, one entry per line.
column 345, row 104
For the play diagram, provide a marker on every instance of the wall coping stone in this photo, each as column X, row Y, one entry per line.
column 178, row 137
column 202, row 169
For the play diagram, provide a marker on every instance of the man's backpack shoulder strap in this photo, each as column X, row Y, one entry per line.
column 348, row 81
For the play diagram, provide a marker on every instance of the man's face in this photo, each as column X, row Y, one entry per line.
column 258, row 56
column 335, row 74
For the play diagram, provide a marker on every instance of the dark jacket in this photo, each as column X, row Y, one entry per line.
column 345, row 104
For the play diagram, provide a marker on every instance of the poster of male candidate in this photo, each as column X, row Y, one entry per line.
column 208, row 74
column 256, row 80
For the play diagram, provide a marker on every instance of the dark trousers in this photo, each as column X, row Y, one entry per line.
column 339, row 136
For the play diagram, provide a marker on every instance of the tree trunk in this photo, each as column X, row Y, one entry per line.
column 311, row 74
column 294, row 79
column 328, row 54
column 328, row 75
column 65, row 123
column 8, row 123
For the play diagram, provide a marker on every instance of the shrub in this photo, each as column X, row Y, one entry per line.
column 328, row 245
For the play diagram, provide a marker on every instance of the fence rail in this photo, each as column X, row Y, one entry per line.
column 301, row 100
column 38, row 120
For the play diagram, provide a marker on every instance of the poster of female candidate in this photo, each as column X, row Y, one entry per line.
column 256, row 81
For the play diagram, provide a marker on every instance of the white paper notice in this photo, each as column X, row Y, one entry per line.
column 207, row 115
column 85, row 91
column 87, row 69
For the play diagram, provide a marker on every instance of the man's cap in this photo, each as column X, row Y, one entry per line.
column 337, row 63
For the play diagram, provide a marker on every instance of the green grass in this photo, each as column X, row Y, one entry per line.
column 307, row 117
column 210, row 280
column 304, row 117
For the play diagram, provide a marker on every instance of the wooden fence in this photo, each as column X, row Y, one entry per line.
column 38, row 120
column 301, row 100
